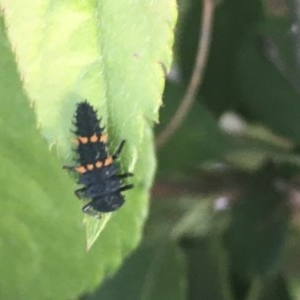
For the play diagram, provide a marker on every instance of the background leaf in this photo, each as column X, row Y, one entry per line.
column 232, row 20
column 276, row 104
column 261, row 217
column 155, row 271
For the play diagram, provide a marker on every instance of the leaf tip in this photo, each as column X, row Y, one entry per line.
column 94, row 227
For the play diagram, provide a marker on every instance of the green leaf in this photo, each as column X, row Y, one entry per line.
column 276, row 289
column 291, row 267
column 94, row 227
column 268, row 92
column 68, row 51
column 257, row 233
column 198, row 140
column 198, row 221
column 249, row 153
column 232, row 19
column 207, row 269
column 154, row 271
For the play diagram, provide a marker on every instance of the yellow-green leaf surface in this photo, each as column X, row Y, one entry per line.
column 112, row 53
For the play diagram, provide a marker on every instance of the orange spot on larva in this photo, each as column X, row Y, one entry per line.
column 83, row 139
column 103, row 138
column 108, row 161
column 80, row 169
column 93, row 138
column 98, row 164
column 90, row 167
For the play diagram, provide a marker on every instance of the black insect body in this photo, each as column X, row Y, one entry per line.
column 97, row 171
